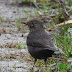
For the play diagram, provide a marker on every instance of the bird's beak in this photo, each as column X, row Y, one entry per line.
column 24, row 23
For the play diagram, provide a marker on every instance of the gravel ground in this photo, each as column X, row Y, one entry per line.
column 13, row 59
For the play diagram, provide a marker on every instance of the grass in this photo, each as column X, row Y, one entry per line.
column 21, row 46
column 63, row 39
column 1, row 20
column 65, row 43
column 18, row 22
column 64, row 67
column 15, row 66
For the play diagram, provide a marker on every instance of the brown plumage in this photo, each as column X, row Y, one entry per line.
column 39, row 43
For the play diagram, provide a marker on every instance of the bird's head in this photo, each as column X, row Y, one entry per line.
column 34, row 24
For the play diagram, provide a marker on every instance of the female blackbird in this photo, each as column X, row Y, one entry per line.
column 39, row 43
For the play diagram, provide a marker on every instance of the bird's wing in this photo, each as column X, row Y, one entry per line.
column 44, row 43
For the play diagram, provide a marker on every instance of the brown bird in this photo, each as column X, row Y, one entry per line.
column 39, row 43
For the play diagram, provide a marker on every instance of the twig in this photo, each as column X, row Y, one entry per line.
column 58, row 25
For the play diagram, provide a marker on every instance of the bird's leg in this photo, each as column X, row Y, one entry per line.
column 35, row 61
column 45, row 59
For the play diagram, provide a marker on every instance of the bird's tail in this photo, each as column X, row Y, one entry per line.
column 57, row 53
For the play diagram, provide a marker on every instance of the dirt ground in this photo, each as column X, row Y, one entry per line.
column 13, row 59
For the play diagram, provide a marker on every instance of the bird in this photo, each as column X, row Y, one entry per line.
column 39, row 42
